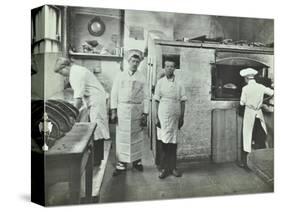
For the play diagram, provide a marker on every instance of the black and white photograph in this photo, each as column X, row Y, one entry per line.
column 137, row 105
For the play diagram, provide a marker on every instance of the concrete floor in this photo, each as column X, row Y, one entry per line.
column 199, row 179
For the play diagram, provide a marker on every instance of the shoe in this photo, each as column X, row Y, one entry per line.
column 163, row 174
column 138, row 167
column 117, row 172
column 243, row 165
column 176, row 173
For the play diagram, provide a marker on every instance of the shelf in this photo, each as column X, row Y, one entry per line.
column 95, row 56
column 218, row 47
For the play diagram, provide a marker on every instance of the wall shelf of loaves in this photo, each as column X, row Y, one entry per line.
column 95, row 33
column 81, row 55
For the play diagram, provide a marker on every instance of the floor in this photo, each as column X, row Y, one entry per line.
column 261, row 161
column 199, row 179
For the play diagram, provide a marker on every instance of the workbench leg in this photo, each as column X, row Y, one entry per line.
column 75, row 185
column 89, row 178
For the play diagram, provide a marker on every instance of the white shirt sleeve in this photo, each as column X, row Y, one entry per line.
column 77, row 82
column 268, row 91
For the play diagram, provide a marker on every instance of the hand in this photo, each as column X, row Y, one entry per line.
column 241, row 110
column 158, row 123
column 143, row 120
column 78, row 103
column 114, row 117
column 181, row 122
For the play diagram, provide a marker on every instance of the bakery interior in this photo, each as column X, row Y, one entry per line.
column 209, row 52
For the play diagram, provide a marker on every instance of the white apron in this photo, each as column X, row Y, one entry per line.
column 129, row 133
column 252, row 96
column 169, row 114
column 248, row 124
column 97, row 112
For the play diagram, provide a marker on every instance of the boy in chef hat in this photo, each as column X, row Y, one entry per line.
column 252, row 98
column 248, row 73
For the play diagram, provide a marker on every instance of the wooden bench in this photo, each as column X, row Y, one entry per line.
column 71, row 157
column 99, row 172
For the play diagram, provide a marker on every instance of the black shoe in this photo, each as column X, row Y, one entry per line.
column 243, row 162
column 243, row 165
column 138, row 167
column 176, row 173
column 117, row 172
column 163, row 174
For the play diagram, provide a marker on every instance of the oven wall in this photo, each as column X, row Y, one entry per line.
column 196, row 75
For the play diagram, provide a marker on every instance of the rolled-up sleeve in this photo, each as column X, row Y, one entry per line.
column 182, row 95
column 268, row 91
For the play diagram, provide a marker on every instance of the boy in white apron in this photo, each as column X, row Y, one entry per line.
column 252, row 98
column 170, row 100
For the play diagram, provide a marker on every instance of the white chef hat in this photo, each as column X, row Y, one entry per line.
column 248, row 72
column 134, row 52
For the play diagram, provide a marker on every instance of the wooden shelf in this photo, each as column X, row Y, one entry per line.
column 95, row 56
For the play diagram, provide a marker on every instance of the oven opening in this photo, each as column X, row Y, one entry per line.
column 227, row 83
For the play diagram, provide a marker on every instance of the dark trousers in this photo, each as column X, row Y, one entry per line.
column 259, row 136
column 168, row 158
column 98, row 151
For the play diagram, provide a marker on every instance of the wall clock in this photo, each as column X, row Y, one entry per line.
column 96, row 26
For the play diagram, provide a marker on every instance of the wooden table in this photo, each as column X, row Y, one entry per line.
column 69, row 158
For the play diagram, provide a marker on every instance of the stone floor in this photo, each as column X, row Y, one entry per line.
column 199, row 179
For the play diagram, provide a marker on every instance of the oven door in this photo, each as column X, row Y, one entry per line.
column 226, row 81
